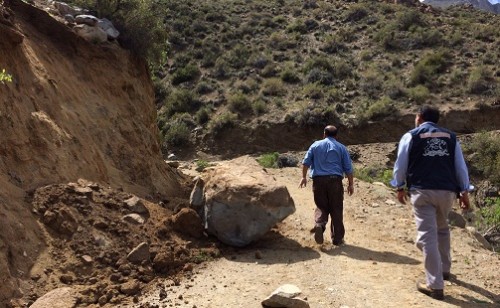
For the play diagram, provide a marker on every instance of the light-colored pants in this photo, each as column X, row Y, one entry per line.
column 431, row 208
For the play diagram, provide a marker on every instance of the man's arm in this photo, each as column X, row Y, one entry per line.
column 462, row 177
column 401, row 167
column 303, row 181
column 350, row 187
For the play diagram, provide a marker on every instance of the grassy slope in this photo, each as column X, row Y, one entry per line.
column 240, row 63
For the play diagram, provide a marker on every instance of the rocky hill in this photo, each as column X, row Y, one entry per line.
column 250, row 73
column 73, row 110
column 485, row 5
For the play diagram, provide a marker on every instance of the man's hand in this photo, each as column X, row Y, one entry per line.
column 402, row 196
column 463, row 200
column 350, row 189
column 303, row 182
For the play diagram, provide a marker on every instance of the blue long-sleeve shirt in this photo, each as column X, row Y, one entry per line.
column 328, row 157
column 401, row 165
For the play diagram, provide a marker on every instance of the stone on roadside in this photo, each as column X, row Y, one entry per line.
column 139, row 254
column 457, row 220
column 86, row 20
column 57, row 298
column 285, row 296
column 91, row 34
column 188, row 222
column 130, row 287
column 484, row 243
column 134, row 204
column 134, row 218
column 107, row 26
column 243, row 202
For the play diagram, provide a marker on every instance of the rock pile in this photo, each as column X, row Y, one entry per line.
column 85, row 25
column 106, row 245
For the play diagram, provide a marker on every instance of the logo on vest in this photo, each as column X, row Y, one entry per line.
column 436, row 147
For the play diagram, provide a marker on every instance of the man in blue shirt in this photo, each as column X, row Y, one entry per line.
column 430, row 164
column 328, row 160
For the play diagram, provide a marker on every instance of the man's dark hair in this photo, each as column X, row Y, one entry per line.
column 429, row 114
column 330, row 131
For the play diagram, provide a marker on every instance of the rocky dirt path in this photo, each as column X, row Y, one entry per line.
column 377, row 267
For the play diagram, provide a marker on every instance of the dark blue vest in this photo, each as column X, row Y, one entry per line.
column 432, row 158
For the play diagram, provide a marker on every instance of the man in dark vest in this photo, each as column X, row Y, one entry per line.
column 431, row 166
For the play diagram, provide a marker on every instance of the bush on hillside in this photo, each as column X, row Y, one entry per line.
column 484, row 155
column 239, row 103
column 187, row 73
column 223, row 121
column 180, row 100
column 177, row 134
column 429, row 67
column 480, row 81
column 419, row 94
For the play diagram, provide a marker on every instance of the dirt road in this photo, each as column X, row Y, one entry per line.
column 377, row 267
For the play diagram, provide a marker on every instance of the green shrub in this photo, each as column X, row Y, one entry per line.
column 238, row 56
column 408, row 18
column 181, row 100
column 428, row 68
column 489, row 214
column 480, row 81
column 297, row 26
column 269, row 160
column 333, row 44
column 419, row 94
column 273, row 87
column 484, row 151
column 259, row 107
column 382, row 108
column 356, row 12
column 223, row 121
column 177, row 134
column 186, row 73
column 374, row 173
column 239, row 102
column 313, row 91
column 201, row 165
column 289, row 75
column 202, row 115
column 204, row 87
column 5, row 77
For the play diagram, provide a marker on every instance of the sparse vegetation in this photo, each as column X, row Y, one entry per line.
column 269, row 160
column 5, row 77
column 484, row 156
column 228, row 62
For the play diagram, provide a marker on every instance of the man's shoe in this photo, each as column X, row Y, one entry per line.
column 338, row 242
column 318, row 234
column 446, row 275
column 434, row 293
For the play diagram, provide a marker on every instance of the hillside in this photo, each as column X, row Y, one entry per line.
column 73, row 110
column 239, row 72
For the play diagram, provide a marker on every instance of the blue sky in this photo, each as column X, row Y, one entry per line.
column 494, row 1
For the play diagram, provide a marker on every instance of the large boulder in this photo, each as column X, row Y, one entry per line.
column 242, row 201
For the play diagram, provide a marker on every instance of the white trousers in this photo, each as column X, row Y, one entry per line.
column 431, row 208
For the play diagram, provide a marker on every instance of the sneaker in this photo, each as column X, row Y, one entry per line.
column 434, row 293
column 318, row 234
column 446, row 275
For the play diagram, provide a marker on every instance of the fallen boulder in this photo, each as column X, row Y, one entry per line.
column 242, row 201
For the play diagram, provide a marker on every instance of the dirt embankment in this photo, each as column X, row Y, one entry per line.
column 73, row 110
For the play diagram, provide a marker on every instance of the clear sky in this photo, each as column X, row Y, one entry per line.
column 494, row 1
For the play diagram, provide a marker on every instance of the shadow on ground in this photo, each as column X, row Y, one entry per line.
column 470, row 301
column 273, row 248
column 365, row 254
